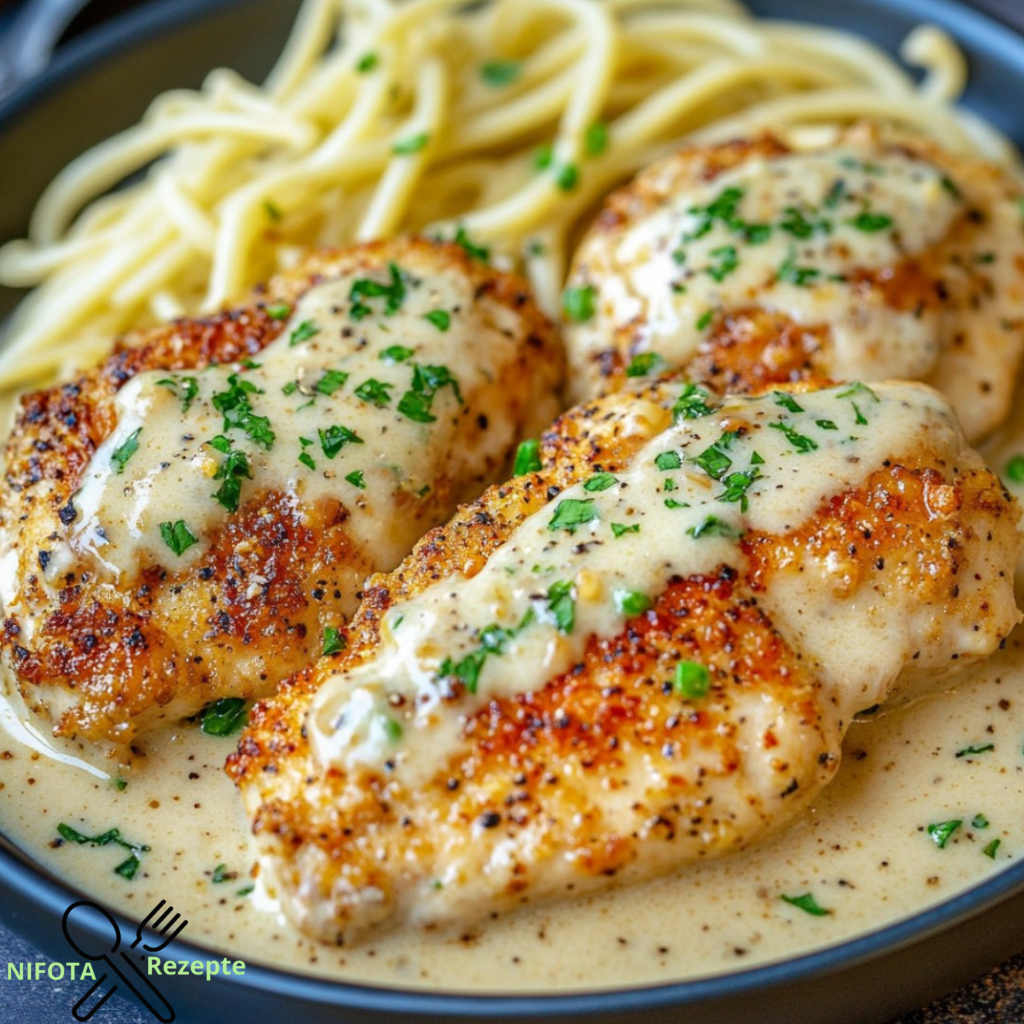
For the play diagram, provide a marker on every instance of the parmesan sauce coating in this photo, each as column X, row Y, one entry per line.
column 355, row 399
column 604, row 550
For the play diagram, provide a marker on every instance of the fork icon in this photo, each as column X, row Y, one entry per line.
column 156, row 927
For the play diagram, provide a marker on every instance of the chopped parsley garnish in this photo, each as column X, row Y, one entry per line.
column 273, row 210
column 578, row 303
column 356, row 479
column 330, row 382
column 232, row 471
column 562, row 606
column 714, row 461
column 836, row 194
column 668, row 460
column 527, row 458
column 807, row 903
column 712, row 526
column 393, row 293
column 673, row 504
column 941, row 832
column 476, row 252
column 789, row 272
column 492, row 641
column 367, row 63
column 870, row 222
column 392, row 729
column 951, row 187
column 825, row 424
column 306, row 330
column 307, row 460
column 800, row 442
column 632, row 602
column 334, row 438
column 722, row 208
column 992, row 848
column 691, row 404
column 788, row 402
column 411, row 144
column 982, row 748
column 567, row 177
column 177, row 536
column 375, row 391
column 543, row 157
column 224, row 716
column 120, row 455
column 796, row 223
column 396, row 354
column 979, row 821
column 221, row 874
column 278, row 311
column 618, row 529
column 572, row 512
column 856, row 390
column 726, row 261
column 600, row 482
column 691, row 680
column 736, row 487
column 333, row 641
column 644, row 364
column 501, row 72
column 1015, row 469
column 416, row 404
column 704, row 320
column 185, row 388
column 119, row 784
column 595, row 141
column 233, row 404
column 127, row 868
column 245, row 890
column 440, row 318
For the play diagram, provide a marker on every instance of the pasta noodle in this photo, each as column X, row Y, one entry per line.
column 506, row 120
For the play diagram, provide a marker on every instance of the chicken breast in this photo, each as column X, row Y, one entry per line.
column 643, row 651
column 194, row 520
column 768, row 260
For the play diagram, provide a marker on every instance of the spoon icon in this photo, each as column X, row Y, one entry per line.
column 145, row 992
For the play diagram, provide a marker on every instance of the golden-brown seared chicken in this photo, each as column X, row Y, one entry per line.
column 763, row 261
column 194, row 520
column 645, row 651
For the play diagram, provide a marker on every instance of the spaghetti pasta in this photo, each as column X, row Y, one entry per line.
column 508, row 120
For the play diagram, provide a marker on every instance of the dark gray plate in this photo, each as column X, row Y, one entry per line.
column 104, row 84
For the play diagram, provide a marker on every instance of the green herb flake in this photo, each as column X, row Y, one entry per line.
column 307, row 460
column 790, row 273
column 870, row 222
column 992, row 848
column 411, row 144
column 578, row 303
column 177, row 536
column 631, row 602
column 122, row 454
column 232, row 471
column 979, row 821
column 237, row 411
column 825, row 424
column 1015, row 469
column 474, row 251
column 807, row 903
column 666, row 461
column 726, row 260
column 364, row 288
column 976, row 749
column 375, row 392
column 645, row 364
column 498, row 73
column 788, row 402
column 692, row 681
column 492, row 641
column 333, row 641
column 356, row 479
column 331, row 381
column 290, row 388
column 224, row 716
column 618, row 529
column 562, row 606
column 273, row 211
column 221, row 874
column 278, row 310
column 736, row 487
column 567, row 177
column 306, row 330
column 334, row 438
column 245, row 890
column 691, row 404
column 712, row 526
column 127, row 868
column 392, row 729
column 601, row 482
column 572, row 513
column 527, row 458
column 942, row 832
column 543, row 157
column 950, row 186
column 714, row 461
column 185, row 388
column 595, row 141
column 119, row 784
column 704, row 320
column 440, row 318
column 367, row 63
column 396, row 354
column 800, row 442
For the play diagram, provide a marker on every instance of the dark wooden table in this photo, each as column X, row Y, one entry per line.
column 995, row 998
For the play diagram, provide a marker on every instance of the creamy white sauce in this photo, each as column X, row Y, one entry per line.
column 861, row 849
column 752, row 464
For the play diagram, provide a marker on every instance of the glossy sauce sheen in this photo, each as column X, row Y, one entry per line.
column 862, row 850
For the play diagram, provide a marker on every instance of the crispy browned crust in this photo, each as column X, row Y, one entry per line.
column 175, row 641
